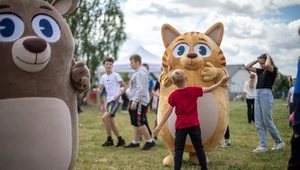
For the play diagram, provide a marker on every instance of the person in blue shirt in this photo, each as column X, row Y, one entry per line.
column 294, row 162
column 150, row 90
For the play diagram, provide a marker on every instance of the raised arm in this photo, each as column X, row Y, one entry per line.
column 215, row 86
column 250, row 65
column 268, row 64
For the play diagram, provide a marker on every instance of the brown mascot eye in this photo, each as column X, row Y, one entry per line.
column 11, row 27
column 46, row 28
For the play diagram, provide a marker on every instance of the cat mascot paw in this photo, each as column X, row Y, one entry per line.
column 39, row 83
column 200, row 56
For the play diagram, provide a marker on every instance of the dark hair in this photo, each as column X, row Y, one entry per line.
column 109, row 59
column 136, row 57
column 146, row 65
column 264, row 56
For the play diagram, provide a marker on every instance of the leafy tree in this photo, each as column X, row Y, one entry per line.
column 98, row 29
column 281, row 84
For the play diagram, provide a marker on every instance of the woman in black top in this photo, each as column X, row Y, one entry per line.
column 264, row 102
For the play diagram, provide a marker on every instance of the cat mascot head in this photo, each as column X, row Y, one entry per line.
column 39, row 83
column 203, row 62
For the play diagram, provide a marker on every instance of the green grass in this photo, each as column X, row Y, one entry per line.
column 244, row 138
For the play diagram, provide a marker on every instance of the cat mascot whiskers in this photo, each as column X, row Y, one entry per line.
column 203, row 62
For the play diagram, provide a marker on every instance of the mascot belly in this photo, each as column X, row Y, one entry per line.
column 208, row 111
column 39, row 84
column 204, row 64
column 26, row 139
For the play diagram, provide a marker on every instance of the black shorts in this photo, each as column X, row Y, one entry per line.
column 138, row 116
column 112, row 107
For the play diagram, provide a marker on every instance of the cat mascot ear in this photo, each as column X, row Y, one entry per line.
column 168, row 34
column 216, row 32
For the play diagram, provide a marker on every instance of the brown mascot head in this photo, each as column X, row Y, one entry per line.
column 39, row 83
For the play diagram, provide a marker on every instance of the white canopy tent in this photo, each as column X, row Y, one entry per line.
column 123, row 64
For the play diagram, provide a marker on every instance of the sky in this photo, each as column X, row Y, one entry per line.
column 251, row 27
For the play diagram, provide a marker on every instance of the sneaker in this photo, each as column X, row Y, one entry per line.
column 226, row 145
column 121, row 142
column 132, row 145
column 278, row 146
column 149, row 145
column 260, row 149
column 108, row 143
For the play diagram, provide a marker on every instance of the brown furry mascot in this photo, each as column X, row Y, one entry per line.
column 39, row 83
column 200, row 56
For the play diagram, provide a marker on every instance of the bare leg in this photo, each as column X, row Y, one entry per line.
column 143, row 129
column 113, row 126
column 136, row 134
column 105, row 119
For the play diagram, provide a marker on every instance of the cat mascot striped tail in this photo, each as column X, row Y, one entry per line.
column 200, row 56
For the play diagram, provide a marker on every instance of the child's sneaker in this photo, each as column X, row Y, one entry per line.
column 226, row 145
column 278, row 146
column 121, row 142
column 132, row 145
column 108, row 143
column 260, row 149
column 149, row 145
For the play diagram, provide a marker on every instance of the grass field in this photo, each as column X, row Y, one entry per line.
column 244, row 138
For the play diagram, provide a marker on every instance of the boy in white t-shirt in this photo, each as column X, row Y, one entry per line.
column 111, row 81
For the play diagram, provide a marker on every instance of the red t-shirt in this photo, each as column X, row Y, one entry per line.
column 185, row 103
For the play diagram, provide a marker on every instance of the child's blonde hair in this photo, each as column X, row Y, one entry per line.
column 252, row 81
column 178, row 77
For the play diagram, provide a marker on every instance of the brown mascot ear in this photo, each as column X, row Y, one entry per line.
column 216, row 32
column 65, row 7
column 168, row 34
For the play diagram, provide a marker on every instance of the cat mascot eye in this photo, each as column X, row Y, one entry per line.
column 180, row 50
column 202, row 49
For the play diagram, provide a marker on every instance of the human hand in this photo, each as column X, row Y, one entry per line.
column 116, row 98
column 224, row 79
column 95, row 90
column 156, row 131
column 133, row 106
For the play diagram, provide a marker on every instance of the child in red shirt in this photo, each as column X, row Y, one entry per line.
column 184, row 99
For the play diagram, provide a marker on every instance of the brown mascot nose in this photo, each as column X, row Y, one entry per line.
column 191, row 55
column 35, row 45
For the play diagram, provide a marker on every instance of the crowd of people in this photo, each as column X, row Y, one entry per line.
column 257, row 92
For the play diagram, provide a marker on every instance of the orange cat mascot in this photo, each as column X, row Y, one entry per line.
column 200, row 56
column 39, row 84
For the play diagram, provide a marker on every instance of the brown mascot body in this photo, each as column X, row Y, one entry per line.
column 203, row 62
column 39, row 83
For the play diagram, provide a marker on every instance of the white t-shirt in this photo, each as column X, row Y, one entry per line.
column 250, row 93
column 292, row 94
column 112, row 85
